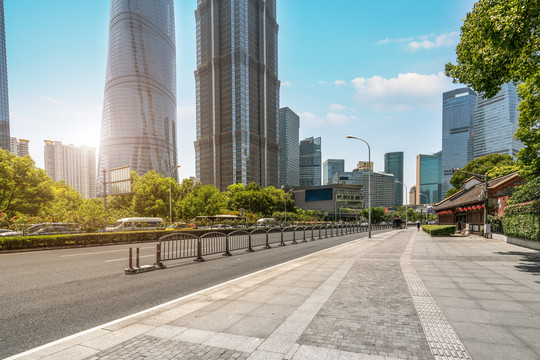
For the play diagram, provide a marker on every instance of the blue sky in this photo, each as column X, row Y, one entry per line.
column 372, row 69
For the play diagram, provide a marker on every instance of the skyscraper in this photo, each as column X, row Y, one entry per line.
column 457, row 132
column 139, row 110
column 496, row 122
column 4, row 103
column 393, row 164
column 18, row 147
column 310, row 162
column 237, row 91
column 330, row 167
column 76, row 165
column 289, row 160
column 429, row 178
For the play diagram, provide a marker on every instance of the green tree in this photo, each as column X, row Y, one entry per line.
column 483, row 165
column 151, row 195
column 500, row 42
column 204, row 200
column 524, row 193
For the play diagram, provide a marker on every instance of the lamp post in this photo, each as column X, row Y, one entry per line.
column 486, row 178
column 369, row 181
column 170, row 196
column 406, row 202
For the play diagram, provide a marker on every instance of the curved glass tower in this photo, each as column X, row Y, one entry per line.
column 4, row 104
column 138, row 127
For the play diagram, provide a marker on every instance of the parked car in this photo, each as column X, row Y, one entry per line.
column 178, row 226
column 136, row 223
column 46, row 229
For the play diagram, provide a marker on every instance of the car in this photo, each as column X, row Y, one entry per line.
column 178, row 226
column 46, row 229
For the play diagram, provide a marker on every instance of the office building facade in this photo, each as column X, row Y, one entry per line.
column 4, row 101
column 139, row 110
column 76, row 165
column 393, row 164
column 237, row 92
column 330, row 167
column 310, row 162
column 289, row 136
column 429, row 178
column 457, row 132
column 364, row 165
column 382, row 185
column 496, row 122
column 18, row 147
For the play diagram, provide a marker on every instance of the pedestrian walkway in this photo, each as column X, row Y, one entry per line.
column 398, row 295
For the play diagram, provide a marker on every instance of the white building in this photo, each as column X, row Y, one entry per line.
column 76, row 165
column 18, row 147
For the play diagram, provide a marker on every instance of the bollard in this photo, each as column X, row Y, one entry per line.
column 130, row 259
column 137, row 260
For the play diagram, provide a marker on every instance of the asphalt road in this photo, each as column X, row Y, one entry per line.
column 48, row 295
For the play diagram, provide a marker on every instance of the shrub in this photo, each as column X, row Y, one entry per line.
column 439, row 230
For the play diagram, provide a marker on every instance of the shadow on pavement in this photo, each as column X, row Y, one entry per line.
column 528, row 261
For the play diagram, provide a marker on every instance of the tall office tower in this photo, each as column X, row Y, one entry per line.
column 429, row 178
column 237, row 91
column 330, row 167
column 289, row 160
column 18, row 147
column 138, row 127
column 393, row 164
column 76, row 165
column 457, row 132
column 496, row 122
column 412, row 195
column 4, row 103
column 310, row 162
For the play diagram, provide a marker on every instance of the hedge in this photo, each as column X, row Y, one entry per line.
column 523, row 226
column 439, row 230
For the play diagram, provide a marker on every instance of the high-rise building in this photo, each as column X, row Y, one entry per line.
column 310, row 162
column 4, row 103
column 330, row 167
column 382, row 185
column 393, row 164
column 412, row 195
column 138, row 127
column 457, row 132
column 237, row 92
column 496, row 122
column 289, row 160
column 429, row 178
column 76, row 165
column 18, row 147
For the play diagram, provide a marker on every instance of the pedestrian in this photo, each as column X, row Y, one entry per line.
column 418, row 225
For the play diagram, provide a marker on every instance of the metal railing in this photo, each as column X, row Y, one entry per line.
column 185, row 245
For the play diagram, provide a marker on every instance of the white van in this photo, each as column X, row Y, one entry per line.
column 264, row 222
column 136, row 223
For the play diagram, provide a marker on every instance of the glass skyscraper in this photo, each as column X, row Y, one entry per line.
column 496, row 122
column 289, row 161
column 310, row 162
column 393, row 164
column 4, row 102
column 330, row 167
column 457, row 132
column 139, row 111
column 237, row 92
column 429, row 178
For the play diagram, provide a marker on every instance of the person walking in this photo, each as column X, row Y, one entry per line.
column 418, row 226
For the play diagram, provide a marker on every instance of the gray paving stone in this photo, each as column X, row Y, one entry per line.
column 490, row 351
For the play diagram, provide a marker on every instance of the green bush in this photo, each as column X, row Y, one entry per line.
column 439, row 230
column 523, row 226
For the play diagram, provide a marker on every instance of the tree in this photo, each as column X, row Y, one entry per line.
column 485, row 164
column 203, row 200
column 524, row 193
column 500, row 42
column 151, row 195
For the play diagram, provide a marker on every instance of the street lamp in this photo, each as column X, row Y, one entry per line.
column 369, row 181
column 406, row 202
column 486, row 178
column 170, row 200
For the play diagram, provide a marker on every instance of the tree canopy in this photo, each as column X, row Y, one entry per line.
column 500, row 43
column 494, row 165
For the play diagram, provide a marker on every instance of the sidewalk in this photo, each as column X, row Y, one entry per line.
column 399, row 295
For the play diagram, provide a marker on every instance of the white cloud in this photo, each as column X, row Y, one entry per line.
column 336, row 107
column 404, row 92
column 443, row 40
column 330, row 118
column 394, row 41
column 286, row 83
column 340, row 83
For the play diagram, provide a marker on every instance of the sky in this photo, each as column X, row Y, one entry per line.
column 371, row 69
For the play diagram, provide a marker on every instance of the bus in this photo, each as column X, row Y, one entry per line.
column 136, row 223
column 220, row 221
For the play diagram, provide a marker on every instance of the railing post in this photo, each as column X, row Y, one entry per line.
column 267, row 246
column 227, row 252
column 282, row 242
column 158, row 264
column 250, row 249
column 294, row 236
column 304, row 232
column 199, row 250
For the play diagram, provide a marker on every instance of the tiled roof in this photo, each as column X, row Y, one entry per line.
column 470, row 196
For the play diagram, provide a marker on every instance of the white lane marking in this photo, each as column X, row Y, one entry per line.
column 126, row 259
column 59, row 341
column 103, row 252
